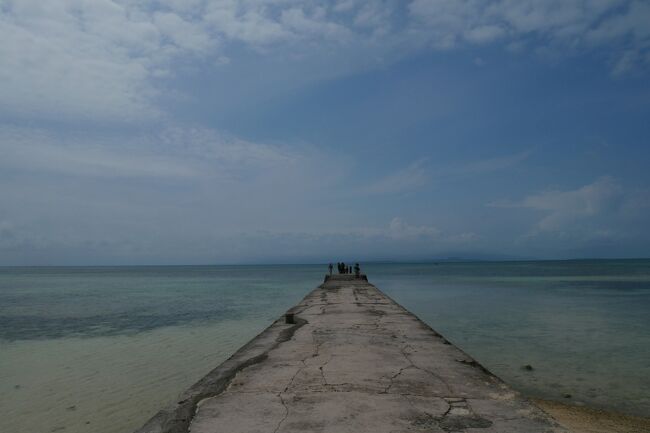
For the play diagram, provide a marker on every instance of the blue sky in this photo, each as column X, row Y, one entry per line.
column 218, row 131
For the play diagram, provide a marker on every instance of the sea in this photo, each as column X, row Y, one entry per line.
column 102, row 349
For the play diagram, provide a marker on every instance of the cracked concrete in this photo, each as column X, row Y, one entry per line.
column 355, row 361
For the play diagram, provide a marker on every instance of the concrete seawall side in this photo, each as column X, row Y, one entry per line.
column 353, row 360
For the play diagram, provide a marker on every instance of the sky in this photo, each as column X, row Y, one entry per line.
column 292, row 131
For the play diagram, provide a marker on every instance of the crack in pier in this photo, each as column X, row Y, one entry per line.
column 362, row 363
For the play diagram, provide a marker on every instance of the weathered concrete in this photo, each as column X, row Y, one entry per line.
column 353, row 361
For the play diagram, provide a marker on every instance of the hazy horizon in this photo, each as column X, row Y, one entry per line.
column 214, row 131
column 442, row 260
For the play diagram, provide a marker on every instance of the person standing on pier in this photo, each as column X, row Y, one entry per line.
column 330, row 268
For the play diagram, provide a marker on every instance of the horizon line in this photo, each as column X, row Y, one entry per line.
column 389, row 262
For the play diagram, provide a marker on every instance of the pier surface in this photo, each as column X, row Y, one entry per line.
column 353, row 361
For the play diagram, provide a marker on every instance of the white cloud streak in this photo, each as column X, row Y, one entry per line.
column 175, row 152
column 410, row 178
column 420, row 174
column 399, row 229
column 601, row 210
column 564, row 208
column 484, row 166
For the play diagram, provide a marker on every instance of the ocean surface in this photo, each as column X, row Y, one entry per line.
column 102, row 349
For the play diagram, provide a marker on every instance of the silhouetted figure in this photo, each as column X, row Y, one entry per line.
column 357, row 270
column 330, row 268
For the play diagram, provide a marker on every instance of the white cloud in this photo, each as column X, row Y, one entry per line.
column 345, row 5
column 78, row 58
column 626, row 62
column 412, row 177
column 567, row 207
column 396, row 239
column 553, row 18
column 401, row 230
column 175, row 152
column 484, row 166
column 564, row 24
column 599, row 211
column 484, row 34
column 101, row 59
column 184, row 34
column 632, row 22
column 315, row 25
column 249, row 22
column 420, row 174
column 457, row 19
column 181, row 192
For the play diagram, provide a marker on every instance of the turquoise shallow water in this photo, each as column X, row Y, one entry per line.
column 106, row 347
column 584, row 326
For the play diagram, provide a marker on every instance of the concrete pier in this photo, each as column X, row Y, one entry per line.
column 350, row 360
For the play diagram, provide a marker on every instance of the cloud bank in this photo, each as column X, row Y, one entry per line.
column 602, row 212
column 111, row 59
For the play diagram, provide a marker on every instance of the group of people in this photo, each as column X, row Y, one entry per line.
column 345, row 269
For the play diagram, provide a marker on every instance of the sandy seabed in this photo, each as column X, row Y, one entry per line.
column 582, row 419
